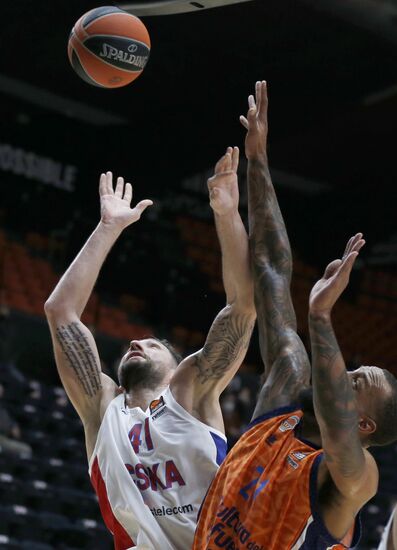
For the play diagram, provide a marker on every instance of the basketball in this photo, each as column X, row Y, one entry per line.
column 108, row 47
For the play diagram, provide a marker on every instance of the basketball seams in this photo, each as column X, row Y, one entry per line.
column 86, row 27
column 109, row 35
column 85, row 69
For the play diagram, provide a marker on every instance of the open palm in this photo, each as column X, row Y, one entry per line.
column 116, row 203
column 223, row 186
column 256, row 122
column 328, row 289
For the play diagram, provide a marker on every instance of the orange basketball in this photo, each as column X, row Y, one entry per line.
column 109, row 47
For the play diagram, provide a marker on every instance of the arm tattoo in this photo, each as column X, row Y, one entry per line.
column 271, row 260
column 286, row 379
column 334, row 401
column 270, row 244
column 80, row 357
column 227, row 343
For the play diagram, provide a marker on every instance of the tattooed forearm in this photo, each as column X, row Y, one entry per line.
column 271, row 261
column 268, row 235
column 226, row 344
column 333, row 395
column 77, row 350
column 287, row 378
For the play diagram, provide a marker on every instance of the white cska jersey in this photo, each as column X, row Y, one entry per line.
column 151, row 470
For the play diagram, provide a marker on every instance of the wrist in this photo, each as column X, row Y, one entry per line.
column 259, row 156
column 228, row 214
column 110, row 229
column 320, row 314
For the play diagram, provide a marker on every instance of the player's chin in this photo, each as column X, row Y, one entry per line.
column 136, row 362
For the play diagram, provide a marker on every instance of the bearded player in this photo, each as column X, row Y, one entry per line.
column 154, row 443
column 300, row 474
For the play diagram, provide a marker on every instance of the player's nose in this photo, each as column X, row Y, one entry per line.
column 136, row 345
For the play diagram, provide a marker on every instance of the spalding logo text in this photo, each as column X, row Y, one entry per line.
column 110, row 52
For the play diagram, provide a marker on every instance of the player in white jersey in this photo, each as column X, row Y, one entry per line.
column 389, row 536
column 154, row 443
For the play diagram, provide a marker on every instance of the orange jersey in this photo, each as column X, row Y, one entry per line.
column 264, row 496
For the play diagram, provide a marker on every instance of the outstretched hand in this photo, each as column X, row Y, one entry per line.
column 116, row 208
column 256, row 123
column 223, row 186
column 327, row 290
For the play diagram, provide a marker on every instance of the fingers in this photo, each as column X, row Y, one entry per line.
column 228, row 159
column 348, row 247
column 264, row 101
column 251, row 102
column 358, row 245
column 244, row 122
column 348, row 262
column 332, row 268
column 235, row 156
column 258, row 95
column 102, row 185
column 141, row 206
column 128, row 193
column 225, row 163
column 109, row 183
column 355, row 243
column 119, row 188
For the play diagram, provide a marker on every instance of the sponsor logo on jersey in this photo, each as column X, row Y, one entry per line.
column 156, row 405
column 231, row 531
column 157, row 477
column 271, row 439
column 289, row 424
column 298, row 455
column 172, row 511
column 292, row 462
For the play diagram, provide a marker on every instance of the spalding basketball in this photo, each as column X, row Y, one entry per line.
column 109, row 47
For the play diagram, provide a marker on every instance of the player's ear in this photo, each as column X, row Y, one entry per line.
column 366, row 425
column 120, row 390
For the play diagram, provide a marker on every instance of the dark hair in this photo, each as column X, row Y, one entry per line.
column 175, row 354
column 386, row 420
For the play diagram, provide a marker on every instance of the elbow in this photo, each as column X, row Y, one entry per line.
column 245, row 302
column 244, row 306
column 50, row 307
column 53, row 308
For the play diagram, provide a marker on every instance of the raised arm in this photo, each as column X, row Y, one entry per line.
column 286, row 365
column 352, row 468
column 75, row 350
column 232, row 235
column 202, row 377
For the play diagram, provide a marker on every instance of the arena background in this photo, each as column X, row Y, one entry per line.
column 332, row 74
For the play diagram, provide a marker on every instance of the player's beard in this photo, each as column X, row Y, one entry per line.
column 139, row 374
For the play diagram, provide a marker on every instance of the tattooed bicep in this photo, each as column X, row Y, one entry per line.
column 225, row 347
column 77, row 359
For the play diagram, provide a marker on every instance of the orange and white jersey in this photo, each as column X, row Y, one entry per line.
column 264, row 496
column 151, row 470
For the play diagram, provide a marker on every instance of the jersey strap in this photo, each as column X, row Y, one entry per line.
column 316, row 536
